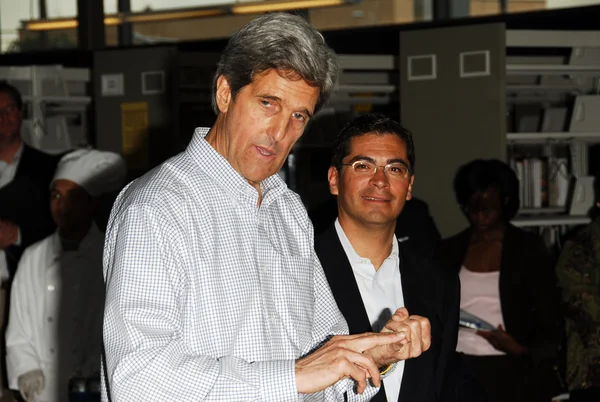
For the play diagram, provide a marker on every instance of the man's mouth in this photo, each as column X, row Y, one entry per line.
column 375, row 198
column 265, row 151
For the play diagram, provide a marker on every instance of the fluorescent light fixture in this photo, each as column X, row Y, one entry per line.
column 176, row 15
column 248, row 8
column 51, row 25
column 265, row 7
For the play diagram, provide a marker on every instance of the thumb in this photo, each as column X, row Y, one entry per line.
column 401, row 314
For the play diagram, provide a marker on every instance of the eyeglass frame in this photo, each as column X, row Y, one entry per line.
column 409, row 171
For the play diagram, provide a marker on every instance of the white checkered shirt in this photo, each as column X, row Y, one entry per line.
column 209, row 297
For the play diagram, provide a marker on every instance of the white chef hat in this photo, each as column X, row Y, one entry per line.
column 98, row 172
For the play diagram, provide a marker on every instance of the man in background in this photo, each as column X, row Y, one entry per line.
column 25, row 175
column 57, row 297
column 372, row 273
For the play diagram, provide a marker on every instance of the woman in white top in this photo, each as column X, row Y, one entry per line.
column 507, row 279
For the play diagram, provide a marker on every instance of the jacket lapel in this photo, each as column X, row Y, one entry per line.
column 415, row 301
column 341, row 280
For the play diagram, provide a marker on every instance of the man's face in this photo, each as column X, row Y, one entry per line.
column 371, row 199
column 70, row 204
column 265, row 120
column 10, row 118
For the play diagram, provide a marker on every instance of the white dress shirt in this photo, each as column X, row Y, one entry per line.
column 7, row 174
column 55, row 320
column 210, row 296
column 381, row 293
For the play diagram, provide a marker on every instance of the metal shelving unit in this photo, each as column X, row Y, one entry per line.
column 557, row 220
column 547, row 79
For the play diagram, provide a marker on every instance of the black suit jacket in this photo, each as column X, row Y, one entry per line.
column 25, row 201
column 529, row 298
column 428, row 292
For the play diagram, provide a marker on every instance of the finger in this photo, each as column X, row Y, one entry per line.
column 425, row 332
column 367, row 366
column 398, row 327
column 416, row 344
column 401, row 314
column 360, row 367
column 371, row 340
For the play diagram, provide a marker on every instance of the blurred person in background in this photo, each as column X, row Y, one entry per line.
column 57, row 298
column 25, row 175
column 507, row 279
column 578, row 272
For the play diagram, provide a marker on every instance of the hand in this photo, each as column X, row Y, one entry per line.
column 417, row 339
column 503, row 341
column 9, row 234
column 31, row 383
column 342, row 357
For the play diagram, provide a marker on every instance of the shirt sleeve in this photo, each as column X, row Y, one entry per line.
column 147, row 356
column 329, row 321
column 21, row 357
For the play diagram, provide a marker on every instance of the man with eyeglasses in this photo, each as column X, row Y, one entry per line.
column 25, row 175
column 371, row 273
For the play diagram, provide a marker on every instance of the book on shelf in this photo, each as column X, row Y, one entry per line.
column 543, row 182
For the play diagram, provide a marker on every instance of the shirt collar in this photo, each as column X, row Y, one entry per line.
column 16, row 157
column 353, row 256
column 18, row 154
column 220, row 170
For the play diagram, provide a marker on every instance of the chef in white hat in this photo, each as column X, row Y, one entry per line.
column 57, row 298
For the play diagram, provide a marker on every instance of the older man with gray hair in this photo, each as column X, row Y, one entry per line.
column 214, row 291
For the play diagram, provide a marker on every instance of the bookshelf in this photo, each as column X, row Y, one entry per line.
column 552, row 86
column 475, row 84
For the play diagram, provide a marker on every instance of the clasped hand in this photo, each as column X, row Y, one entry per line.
column 360, row 356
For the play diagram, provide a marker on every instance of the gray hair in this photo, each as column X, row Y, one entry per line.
column 279, row 41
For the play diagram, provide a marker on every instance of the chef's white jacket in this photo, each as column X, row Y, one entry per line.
column 56, row 312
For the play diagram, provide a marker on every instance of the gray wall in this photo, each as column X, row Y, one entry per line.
column 454, row 120
column 163, row 129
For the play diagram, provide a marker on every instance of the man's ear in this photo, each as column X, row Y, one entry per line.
column 410, row 184
column 223, row 94
column 333, row 177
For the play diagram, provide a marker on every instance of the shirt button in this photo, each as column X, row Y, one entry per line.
column 51, row 288
column 50, row 319
column 51, row 350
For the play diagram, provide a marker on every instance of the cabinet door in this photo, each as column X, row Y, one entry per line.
column 452, row 98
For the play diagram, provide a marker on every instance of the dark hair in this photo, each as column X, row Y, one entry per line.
column 481, row 175
column 280, row 41
column 371, row 123
column 13, row 92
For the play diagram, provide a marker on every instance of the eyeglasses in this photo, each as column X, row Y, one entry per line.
column 394, row 170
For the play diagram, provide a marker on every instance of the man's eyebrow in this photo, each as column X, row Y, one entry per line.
column 279, row 100
column 361, row 158
column 371, row 160
column 399, row 160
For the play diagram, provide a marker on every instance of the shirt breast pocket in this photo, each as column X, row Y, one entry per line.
column 297, row 298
